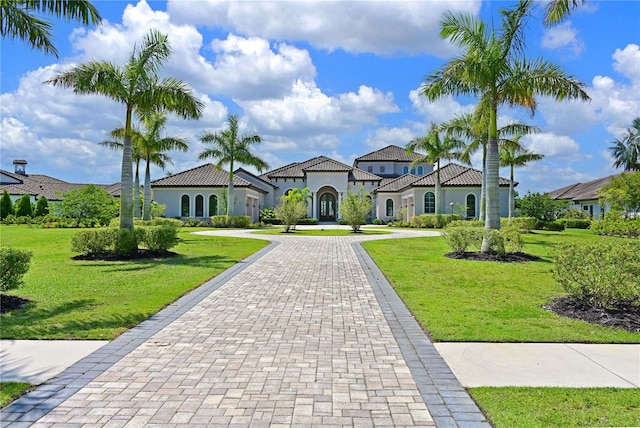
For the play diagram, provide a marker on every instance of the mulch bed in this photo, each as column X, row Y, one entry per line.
column 488, row 257
column 625, row 316
column 9, row 303
column 141, row 254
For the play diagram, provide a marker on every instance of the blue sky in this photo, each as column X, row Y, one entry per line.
column 339, row 79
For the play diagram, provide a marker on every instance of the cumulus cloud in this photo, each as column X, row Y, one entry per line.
column 554, row 147
column 440, row 110
column 386, row 136
column 563, row 36
column 379, row 27
column 627, row 62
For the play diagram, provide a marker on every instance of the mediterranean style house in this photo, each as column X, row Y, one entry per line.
column 399, row 190
column 584, row 196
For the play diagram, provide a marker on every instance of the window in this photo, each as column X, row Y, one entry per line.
column 429, row 203
column 389, row 207
column 382, row 168
column 471, row 206
column 405, row 170
column 369, row 168
column 420, row 170
column 413, row 171
column 199, row 206
column 184, row 204
column 213, row 205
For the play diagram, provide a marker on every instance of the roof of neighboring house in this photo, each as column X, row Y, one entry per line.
column 582, row 191
column 258, row 179
column 453, row 174
column 397, row 184
column 206, row 175
column 389, row 153
column 38, row 185
column 319, row 164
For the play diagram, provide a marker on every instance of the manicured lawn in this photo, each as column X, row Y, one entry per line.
column 100, row 300
column 9, row 391
column 319, row 232
column 559, row 407
column 461, row 300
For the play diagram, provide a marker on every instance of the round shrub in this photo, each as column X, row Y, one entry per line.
column 14, row 263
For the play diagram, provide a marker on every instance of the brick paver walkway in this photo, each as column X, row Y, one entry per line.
column 307, row 334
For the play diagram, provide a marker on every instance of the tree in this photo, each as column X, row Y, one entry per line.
column 6, row 204
column 435, row 148
column 513, row 155
column 493, row 67
column 541, row 206
column 137, row 86
column 623, row 193
column 230, row 148
column 558, row 10
column 42, row 207
column 627, row 151
column 14, row 263
column 355, row 208
column 293, row 207
column 23, row 206
column 18, row 19
column 88, row 202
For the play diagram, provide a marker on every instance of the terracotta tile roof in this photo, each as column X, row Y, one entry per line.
column 42, row 185
column 582, row 191
column 328, row 165
column 397, row 184
column 293, row 170
column 456, row 175
column 357, row 174
column 319, row 164
column 389, row 153
column 206, row 175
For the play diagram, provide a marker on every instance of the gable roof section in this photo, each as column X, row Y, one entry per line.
column 42, row 185
column 206, row 175
column 293, row 170
column 389, row 153
column 398, row 184
column 453, row 175
column 319, row 164
column 357, row 174
column 582, row 191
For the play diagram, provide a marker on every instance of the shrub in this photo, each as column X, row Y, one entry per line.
column 193, row 222
column 160, row 238
column 241, row 221
column 378, row 222
column 575, row 223
column 23, row 206
column 552, row 226
column 512, row 239
column 460, row 236
column 6, row 205
column 600, row 274
column 220, row 221
column 308, row 221
column 524, row 224
column 126, row 241
column 623, row 227
column 291, row 210
column 14, row 263
column 268, row 214
column 88, row 202
column 355, row 208
column 575, row 213
column 93, row 241
column 42, row 207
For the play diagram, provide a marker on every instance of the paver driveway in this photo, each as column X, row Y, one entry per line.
column 298, row 337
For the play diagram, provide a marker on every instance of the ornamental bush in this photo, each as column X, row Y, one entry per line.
column 524, row 224
column 575, row 223
column 23, row 206
column 6, row 204
column 14, row 263
column 93, row 241
column 600, row 274
column 622, row 227
column 160, row 238
column 461, row 236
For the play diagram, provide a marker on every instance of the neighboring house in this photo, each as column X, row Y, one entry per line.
column 584, row 196
column 20, row 183
column 396, row 186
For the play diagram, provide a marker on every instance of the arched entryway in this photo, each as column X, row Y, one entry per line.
column 327, row 205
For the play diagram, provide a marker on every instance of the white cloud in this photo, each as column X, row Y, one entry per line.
column 554, row 147
column 357, row 26
column 387, row 136
column 441, row 110
column 627, row 62
column 563, row 36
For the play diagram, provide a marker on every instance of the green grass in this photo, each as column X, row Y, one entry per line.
column 10, row 391
column 100, row 300
column 320, row 232
column 559, row 407
column 462, row 300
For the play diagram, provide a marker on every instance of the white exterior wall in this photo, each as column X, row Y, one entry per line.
column 591, row 207
column 172, row 198
column 284, row 186
column 381, row 205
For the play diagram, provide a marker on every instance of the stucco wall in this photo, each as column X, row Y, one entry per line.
column 172, row 197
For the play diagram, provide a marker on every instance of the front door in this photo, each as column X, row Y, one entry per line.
column 327, row 207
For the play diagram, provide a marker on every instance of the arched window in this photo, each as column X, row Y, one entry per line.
column 420, row 170
column 413, row 171
column 389, row 207
column 471, row 206
column 405, row 170
column 213, row 205
column 429, row 203
column 184, row 206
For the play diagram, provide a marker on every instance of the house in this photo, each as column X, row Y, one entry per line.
column 584, row 196
column 398, row 187
column 20, row 183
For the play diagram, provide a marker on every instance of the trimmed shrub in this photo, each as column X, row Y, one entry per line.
column 126, row 241
column 220, row 221
column 575, row 223
column 6, row 204
column 599, row 274
column 460, row 237
column 622, row 227
column 14, row 263
column 512, row 239
column 308, row 221
column 575, row 213
column 93, row 241
column 42, row 207
column 242, row 221
column 193, row 222
column 378, row 222
column 524, row 224
column 552, row 226
column 160, row 238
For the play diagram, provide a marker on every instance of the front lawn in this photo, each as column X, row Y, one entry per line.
column 100, row 300
column 462, row 300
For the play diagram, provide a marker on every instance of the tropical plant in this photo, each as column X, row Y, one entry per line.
column 228, row 147
column 22, row 19
column 513, row 155
column 137, row 86
column 493, row 67
column 627, row 150
column 355, row 208
column 558, row 10
column 6, row 204
column 432, row 149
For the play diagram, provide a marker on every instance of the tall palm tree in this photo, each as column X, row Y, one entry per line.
column 433, row 148
column 19, row 19
column 137, row 86
column 492, row 67
column 228, row 147
column 627, row 150
column 558, row 10
column 513, row 154
column 152, row 146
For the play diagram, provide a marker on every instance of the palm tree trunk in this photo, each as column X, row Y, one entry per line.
column 146, row 212
column 136, row 192
column 438, row 190
column 126, row 179
column 493, row 165
column 512, row 204
column 483, row 185
column 230, row 201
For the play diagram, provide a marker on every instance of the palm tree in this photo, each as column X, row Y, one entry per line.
column 152, row 147
column 512, row 154
column 558, row 10
column 135, row 85
column 435, row 148
column 19, row 19
column 492, row 66
column 627, row 150
column 230, row 148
